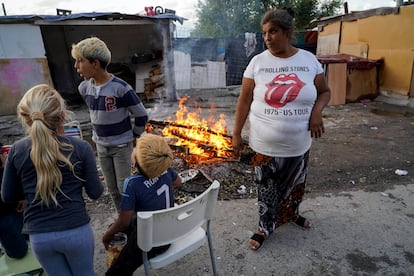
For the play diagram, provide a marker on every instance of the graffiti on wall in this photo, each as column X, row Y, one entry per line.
column 16, row 77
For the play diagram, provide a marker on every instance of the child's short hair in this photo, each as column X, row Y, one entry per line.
column 92, row 48
column 153, row 155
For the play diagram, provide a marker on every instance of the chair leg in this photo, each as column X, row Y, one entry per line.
column 146, row 263
column 210, row 247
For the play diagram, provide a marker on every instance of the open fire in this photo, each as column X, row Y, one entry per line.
column 196, row 138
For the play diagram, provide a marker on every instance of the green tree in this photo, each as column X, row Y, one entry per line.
column 231, row 18
column 305, row 11
column 328, row 8
column 217, row 18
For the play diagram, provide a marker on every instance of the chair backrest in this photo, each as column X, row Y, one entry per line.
column 156, row 228
column 28, row 265
column 73, row 129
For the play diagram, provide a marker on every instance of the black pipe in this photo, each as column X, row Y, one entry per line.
column 4, row 9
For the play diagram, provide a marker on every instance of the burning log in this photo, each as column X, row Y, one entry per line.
column 169, row 123
column 183, row 149
column 199, row 139
column 185, row 142
column 201, row 145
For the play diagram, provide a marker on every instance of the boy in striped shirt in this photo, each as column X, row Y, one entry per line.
column 111, row 102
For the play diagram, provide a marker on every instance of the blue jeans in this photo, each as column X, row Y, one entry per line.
column 11, row 237
column 65, row 253
column 115, row 162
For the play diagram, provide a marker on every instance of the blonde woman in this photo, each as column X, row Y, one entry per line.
column 51, row 171
column 151, row 188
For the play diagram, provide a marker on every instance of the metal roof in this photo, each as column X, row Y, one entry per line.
column 13, row 19
column 357, row 15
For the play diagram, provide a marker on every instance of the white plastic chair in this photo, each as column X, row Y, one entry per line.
column 181, row 226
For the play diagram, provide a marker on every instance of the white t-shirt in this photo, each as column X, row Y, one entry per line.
column 283, row 99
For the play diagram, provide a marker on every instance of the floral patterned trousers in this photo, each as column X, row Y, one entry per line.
column 280, row 188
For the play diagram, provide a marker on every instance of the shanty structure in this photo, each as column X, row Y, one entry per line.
column 36, row 49
column 370, row 53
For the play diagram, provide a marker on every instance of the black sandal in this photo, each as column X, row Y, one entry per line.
column 303, row 222
column 259, row 238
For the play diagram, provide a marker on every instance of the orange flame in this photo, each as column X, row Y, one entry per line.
column 203, row 138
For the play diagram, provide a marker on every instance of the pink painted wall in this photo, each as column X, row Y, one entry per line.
column 16, row 77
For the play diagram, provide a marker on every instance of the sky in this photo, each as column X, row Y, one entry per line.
column 183, row 8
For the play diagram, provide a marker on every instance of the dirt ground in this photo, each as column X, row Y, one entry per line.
column 355, row 162
column 363, row 146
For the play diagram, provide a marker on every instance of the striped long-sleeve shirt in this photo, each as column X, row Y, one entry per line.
column 111, row 107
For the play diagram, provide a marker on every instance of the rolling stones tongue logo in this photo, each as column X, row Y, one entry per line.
column 283, row 89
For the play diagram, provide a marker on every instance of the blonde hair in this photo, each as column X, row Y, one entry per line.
column 42, row 111
column 153, row 155
column 92, row 48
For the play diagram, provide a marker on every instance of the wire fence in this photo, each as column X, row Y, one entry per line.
column 210, row 63
column 204, row 63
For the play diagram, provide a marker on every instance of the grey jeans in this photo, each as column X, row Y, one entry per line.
column 115, row 162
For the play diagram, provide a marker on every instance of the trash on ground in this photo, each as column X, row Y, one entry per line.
column 241, row 189
column 401, row 172
column 188, row 175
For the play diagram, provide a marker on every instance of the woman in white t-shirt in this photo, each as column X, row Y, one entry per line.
column 283, row 93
